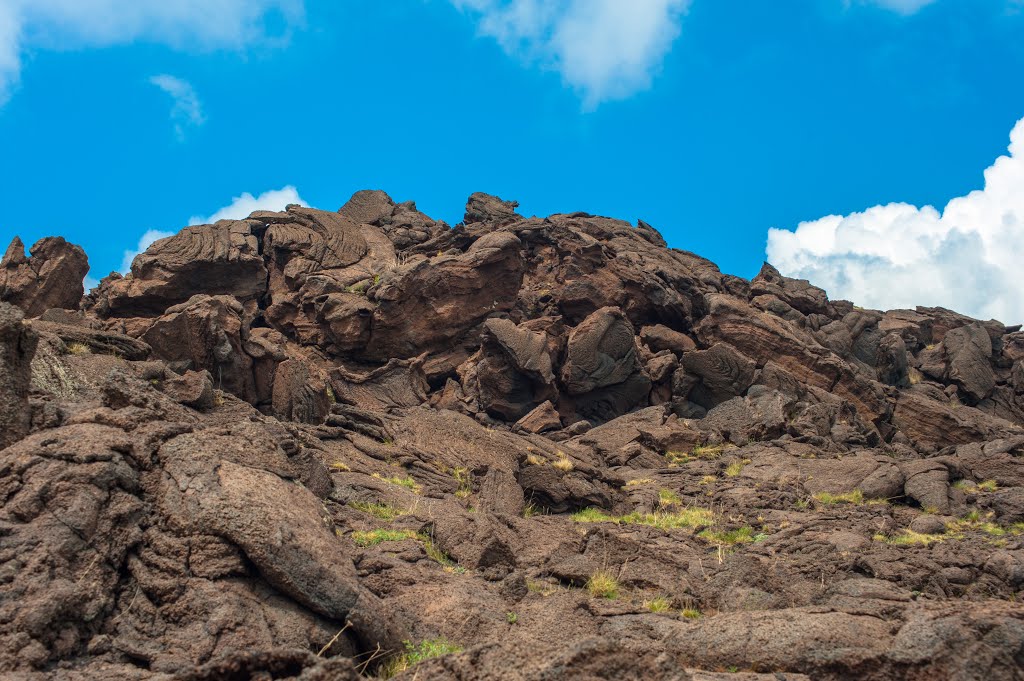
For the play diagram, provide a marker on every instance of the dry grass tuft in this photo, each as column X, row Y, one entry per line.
column 602, row 584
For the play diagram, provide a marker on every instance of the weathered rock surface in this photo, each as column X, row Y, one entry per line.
column 17, row 348
column 51, row 277
column 299, row 445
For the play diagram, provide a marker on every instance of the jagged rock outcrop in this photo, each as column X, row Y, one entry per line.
column 17, row 348
column 313, row 444
column 51, row 277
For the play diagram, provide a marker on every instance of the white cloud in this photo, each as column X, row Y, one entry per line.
column 10, row 62
column 181, row 24
column 145, row 241
column 969, row 257
column 186, row 111
column 241, row 206
column 604, row 49
column 902, row 6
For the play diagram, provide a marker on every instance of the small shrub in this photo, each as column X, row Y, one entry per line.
column 602, row 584
column 677, row 458
column 801, row 503
column 531, row 509
column 416, row 653
column 690, row 613
column 78, row 349
column 382, row 511
column 854, row 497
column 708, row 479
column 534, row 460
column 563, row 463
column 511, row 617
column 461, row 476
column 659, row 604
column 988, row 486
column 375, row 537
column 708, row 451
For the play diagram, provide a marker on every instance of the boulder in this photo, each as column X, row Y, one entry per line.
column 219, row 259
column 51, row 277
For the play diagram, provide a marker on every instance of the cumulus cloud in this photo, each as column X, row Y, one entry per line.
column 180, row 24
column 241, row 206
column 604, row 49
column 145, row 241
column 186, row 110
column 968, row 257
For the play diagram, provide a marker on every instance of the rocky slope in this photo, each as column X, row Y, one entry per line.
column 319, row 445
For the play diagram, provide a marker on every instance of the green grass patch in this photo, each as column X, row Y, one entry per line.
column 434, row 553
column 988, row 486
column 829, row 499
column 374, row 537
column 382, row 511
column 602, row 584
column 406, row 482
column 742, row 535
column 909, row 538
column 663, row 520
column 707, row 451
column 735, row 468
column 975, row 521
column 416, row 653
column 669, row 499
column 690, row 613
column 659, row 604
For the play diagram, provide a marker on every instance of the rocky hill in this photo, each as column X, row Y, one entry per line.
column 323, row 445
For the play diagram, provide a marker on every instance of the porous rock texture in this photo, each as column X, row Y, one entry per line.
column 300, row 445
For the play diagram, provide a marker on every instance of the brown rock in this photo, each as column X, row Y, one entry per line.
column 542, row 419
column 50, row 278
column 17, row 347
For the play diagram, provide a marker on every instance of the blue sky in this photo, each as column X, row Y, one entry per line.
column 713, row 120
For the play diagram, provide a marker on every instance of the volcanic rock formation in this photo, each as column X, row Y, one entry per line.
column 319, row 445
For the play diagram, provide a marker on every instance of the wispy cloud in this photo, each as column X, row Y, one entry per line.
column 241, row 206
column 186, row 110
column 603, row 49
column 967, row 257
column 190, row 25
column 901, row 6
